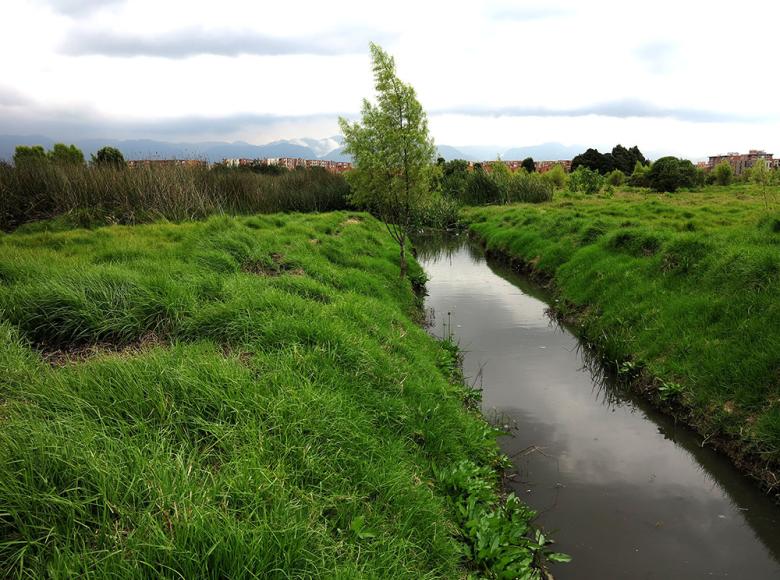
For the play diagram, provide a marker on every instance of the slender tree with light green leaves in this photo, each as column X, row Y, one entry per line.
column 759, row 174
column 392, row 153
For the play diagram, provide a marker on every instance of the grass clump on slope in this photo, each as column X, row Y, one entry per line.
column 240, row 397
column 685, row 287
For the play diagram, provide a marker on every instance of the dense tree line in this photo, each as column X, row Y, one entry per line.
column 622, row 159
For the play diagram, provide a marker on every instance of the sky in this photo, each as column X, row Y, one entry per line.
column 686, row 78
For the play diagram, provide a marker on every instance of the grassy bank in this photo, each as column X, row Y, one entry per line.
column 240, row 397
column 97, row 195
column 682, row 290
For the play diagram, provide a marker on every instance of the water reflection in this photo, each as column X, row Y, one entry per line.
column 630, row 493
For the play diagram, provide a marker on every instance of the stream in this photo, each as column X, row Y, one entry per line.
column 620, row 487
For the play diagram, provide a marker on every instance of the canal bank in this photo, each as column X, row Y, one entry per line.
column 623, row 489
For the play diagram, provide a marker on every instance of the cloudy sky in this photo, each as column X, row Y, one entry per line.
column 690, row 78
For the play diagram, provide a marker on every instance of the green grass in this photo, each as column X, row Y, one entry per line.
column 683, row 286
column 240, row 397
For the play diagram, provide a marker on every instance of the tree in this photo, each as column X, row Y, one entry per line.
column 723, row 173
column 108, row 156
column 759, row 174
column 670, row 174
column 529, row 165
column 624, row 160
column 62, row 154
column 392, row 153
column 453, row 182
column 592, row 159
column 637, row 156
column 24, row 155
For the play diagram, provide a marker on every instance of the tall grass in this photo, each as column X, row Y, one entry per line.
column 684, row 286
column 89, row 195
column 243, row 397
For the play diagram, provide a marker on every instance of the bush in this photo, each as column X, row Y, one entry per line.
column 616, row 178
column 586, row 180
column 670, row 174
column 557, row 176
column 723, row 173
column 66, row 154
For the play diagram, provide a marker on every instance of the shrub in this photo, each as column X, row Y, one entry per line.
column 109, row 156
column 616, row 178
column 556, row 175
column 670, row 174
column 586, row 180
column 723, row 173
column 34, row 154
column 66, row 155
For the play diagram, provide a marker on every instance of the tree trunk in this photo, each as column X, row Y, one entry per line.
column 402, row 259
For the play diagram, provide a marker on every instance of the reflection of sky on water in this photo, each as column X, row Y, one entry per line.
column 627, row 502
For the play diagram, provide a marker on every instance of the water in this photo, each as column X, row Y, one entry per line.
column 623, row 490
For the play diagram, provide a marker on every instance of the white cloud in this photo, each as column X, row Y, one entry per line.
column 672, row 76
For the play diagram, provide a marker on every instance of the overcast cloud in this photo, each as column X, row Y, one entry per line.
column 683, row 78
column 223, row 42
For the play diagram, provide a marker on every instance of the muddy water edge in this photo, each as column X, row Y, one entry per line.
column 622, row 488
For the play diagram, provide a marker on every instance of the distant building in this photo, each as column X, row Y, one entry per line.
column 514, row 165
column 544, row 166
column 741, row 161
column 290, row 163
column 167, row 163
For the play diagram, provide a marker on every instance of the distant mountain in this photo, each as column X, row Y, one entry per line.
column 330, row 148
column 449, row 153
column 321, row 147
column 337, row 155
column 209, row 150
column 544, row 152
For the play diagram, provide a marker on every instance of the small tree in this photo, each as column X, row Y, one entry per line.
column 586, row 180
column 456, row 173
column 62, row 154
column 392, row 153
column 108, row 156
column 24, row 155
column 529, row 165
column 760, row 175
column 723, row 173
column 670, row 174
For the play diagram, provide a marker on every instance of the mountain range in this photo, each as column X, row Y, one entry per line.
column 330, row 148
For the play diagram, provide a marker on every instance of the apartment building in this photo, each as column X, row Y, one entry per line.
column 741, row 161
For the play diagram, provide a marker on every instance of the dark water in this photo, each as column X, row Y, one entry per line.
column 623, row 490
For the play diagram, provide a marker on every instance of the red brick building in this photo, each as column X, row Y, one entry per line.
column 741, row 161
